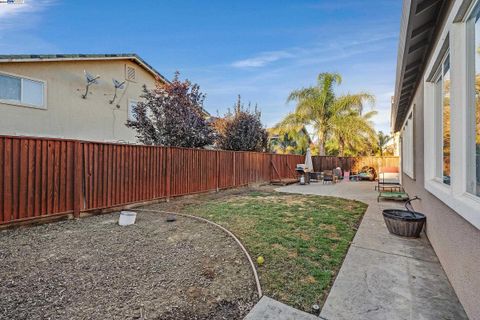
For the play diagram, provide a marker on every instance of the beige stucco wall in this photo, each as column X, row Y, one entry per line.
column 67, row 114
column 455, row 241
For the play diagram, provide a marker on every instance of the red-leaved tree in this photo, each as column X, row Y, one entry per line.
column 172, row 115
column 242, row 130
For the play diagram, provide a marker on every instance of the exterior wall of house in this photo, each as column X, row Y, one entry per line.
column 67, row 114
column 455, row 241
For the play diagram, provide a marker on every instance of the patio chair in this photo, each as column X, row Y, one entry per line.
column 337, row 172
column 389, row 179
column 329, row 176
column 315, row 176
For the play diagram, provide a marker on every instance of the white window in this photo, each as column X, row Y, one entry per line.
column 442, row 121
column 452, row 113
column 131, row 105
column 407, row 148
column 22, row 91
column 473, row 112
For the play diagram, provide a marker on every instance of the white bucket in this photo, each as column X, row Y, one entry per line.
column 302, row 179
column 127, row 218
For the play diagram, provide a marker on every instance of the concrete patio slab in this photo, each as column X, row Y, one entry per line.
column 384, row 276
column 270, row 309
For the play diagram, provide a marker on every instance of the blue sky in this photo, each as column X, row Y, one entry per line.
column 259, row 49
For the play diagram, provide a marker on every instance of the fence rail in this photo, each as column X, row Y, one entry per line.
column 41, row 177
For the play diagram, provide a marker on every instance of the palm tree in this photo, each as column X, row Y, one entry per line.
column 317, row 106
column 289, row 141
column 354, row 132
column 383, row 140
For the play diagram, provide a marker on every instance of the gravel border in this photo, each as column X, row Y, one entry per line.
column 94, row 269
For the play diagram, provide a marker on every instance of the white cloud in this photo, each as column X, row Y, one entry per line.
column 262, row 59
column 324, row 52
column 16, row 24
column 15, row 15
column 9, row 10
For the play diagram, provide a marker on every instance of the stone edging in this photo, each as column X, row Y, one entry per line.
column 252, row 265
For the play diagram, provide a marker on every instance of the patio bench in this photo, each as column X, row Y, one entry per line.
column 388, row 177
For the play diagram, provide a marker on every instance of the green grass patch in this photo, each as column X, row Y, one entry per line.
column 303, row 238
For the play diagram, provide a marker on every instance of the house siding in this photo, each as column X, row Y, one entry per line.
column 455, row 241
column 67, row 114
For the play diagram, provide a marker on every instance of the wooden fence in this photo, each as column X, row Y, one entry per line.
column 42, row 177
column 353, row 163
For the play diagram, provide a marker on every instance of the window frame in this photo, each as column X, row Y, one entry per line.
column 23, row 104
column 438, row 82
column 452, row 37
column 129, row 114
column 470, row 157
column 408, row 150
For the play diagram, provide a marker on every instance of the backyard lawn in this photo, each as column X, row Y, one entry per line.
column 303, row 238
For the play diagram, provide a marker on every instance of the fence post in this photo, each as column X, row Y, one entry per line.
column 234, row 170
column 77, row 180
column 249, row 167
column 168, row 171
column 217, row 164
column 270, row 165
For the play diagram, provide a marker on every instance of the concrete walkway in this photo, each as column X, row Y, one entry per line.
column 270, row 309
column 384, row 276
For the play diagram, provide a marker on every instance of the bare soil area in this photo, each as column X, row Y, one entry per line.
column 94, row 269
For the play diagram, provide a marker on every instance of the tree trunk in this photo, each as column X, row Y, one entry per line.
column 341, row 148
column 321, row 143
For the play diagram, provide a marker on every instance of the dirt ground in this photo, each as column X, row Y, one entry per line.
column 94, row 269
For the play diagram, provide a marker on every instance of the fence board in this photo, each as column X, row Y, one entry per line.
column 16, row 178
column 44, row 188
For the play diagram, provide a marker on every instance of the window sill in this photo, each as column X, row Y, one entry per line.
column 409, row 175
column 465, row 205
column 23, row 105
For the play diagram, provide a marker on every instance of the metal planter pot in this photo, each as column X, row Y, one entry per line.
column 404, row 223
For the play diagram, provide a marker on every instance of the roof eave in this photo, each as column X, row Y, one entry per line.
column 83, row 57
column 419, row 26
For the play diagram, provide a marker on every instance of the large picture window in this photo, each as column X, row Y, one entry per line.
column 442, row 110
column 473, row 134
column 22, row 91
